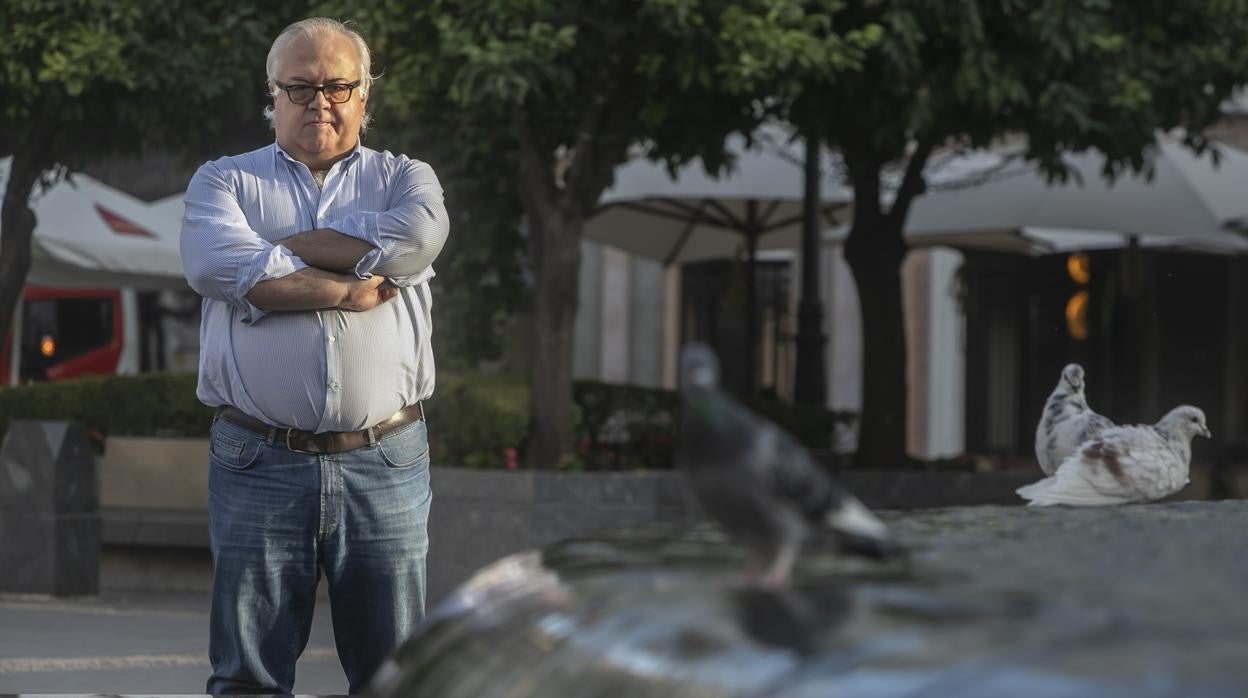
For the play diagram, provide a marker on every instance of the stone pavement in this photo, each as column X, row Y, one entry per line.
column 146, row 644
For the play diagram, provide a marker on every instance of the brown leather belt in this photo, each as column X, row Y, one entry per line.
column 327, row 441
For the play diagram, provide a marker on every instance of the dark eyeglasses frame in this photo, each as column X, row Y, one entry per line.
column 323, row 89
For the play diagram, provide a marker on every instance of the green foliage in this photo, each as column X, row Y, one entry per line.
column 1068, row 75
column 624, row 426
column 115, row 76
column 473, row 417
column 151, row 404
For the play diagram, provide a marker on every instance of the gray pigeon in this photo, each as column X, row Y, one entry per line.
column 1125, row 464
column 1067, row 421
column 758, row 482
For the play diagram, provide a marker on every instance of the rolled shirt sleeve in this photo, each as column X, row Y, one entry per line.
column 409, row 234
column 222, row 257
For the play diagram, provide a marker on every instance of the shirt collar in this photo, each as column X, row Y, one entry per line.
column 351, row 156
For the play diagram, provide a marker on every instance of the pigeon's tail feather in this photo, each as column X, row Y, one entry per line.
column 860, row 531
column 1072, row 491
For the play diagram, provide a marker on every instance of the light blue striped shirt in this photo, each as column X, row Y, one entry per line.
column 319, row 370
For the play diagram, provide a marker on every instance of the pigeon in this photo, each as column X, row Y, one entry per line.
column 758, row 483
column 1138, row 463
column 1067, row 421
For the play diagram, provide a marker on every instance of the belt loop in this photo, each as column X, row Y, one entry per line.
column 372, row 436
column 268, row 440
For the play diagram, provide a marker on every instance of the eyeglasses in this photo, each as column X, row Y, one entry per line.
column 335, row 92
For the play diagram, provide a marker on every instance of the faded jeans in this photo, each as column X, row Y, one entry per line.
column 278, row 518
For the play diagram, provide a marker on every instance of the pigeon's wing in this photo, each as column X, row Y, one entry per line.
column 1114, row 468
column 792, row 474
column 1092, row 425
column 1072, row 488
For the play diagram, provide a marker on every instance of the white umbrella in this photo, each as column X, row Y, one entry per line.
column 696, row 217
column 88, row 234
column 996, row 201
column 693, row 216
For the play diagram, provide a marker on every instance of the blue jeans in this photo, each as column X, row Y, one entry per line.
column 278, row 518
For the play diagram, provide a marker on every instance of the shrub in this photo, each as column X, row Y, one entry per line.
column 625, row 427
column 476, row 419
column 151, row 404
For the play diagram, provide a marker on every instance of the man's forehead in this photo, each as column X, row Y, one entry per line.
column 316, row 58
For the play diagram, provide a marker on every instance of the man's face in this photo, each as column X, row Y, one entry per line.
column 320, row 132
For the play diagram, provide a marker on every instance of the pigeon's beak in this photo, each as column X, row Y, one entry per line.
column 869, row 546
column 860, row 531
column 1204, row 431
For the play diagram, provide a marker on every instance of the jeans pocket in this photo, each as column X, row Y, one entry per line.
column 406, row 447
column 228, row 451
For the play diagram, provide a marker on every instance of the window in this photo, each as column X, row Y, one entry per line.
column 57, row 329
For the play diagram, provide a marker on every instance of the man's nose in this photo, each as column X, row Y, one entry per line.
column 319, row 100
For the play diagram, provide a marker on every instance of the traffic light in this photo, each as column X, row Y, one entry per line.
column 1079, row 268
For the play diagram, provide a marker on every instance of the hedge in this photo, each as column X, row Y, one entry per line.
column 476, row 419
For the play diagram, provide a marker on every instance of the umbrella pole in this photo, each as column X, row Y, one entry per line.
column 809, row 378
column 753, row 229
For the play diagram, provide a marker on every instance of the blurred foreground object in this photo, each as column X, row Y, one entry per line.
column 995, row 601
column 758, row 482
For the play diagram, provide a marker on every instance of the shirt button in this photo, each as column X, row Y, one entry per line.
column 332, row 338
column 334, row 385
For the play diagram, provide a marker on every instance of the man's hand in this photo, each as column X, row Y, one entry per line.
column 366, row 294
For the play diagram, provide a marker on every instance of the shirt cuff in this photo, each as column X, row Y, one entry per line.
column 362, row 225
column 274, row 264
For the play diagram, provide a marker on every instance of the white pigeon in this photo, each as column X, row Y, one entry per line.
column 1138, row 463
column 758, row 482
column 1067, row 421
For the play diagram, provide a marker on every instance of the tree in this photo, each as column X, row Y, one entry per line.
column 555, row 94
column 88, row 79
column 1067, row 75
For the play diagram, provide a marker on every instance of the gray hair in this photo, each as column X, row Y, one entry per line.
column 318, row 27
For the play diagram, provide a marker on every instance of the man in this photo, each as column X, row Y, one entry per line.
column 313, row 257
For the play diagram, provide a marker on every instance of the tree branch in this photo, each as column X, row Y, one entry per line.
column 912, row 183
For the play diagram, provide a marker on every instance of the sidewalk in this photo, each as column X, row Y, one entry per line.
column 132, row 643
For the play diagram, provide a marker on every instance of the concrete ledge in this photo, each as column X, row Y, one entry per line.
column 478, row 516
column 144, row 526
column 143, row 471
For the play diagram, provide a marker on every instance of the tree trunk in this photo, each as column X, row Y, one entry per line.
column 874, row 251
column 17, row 219
column 555, row 243
column 876, row 265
